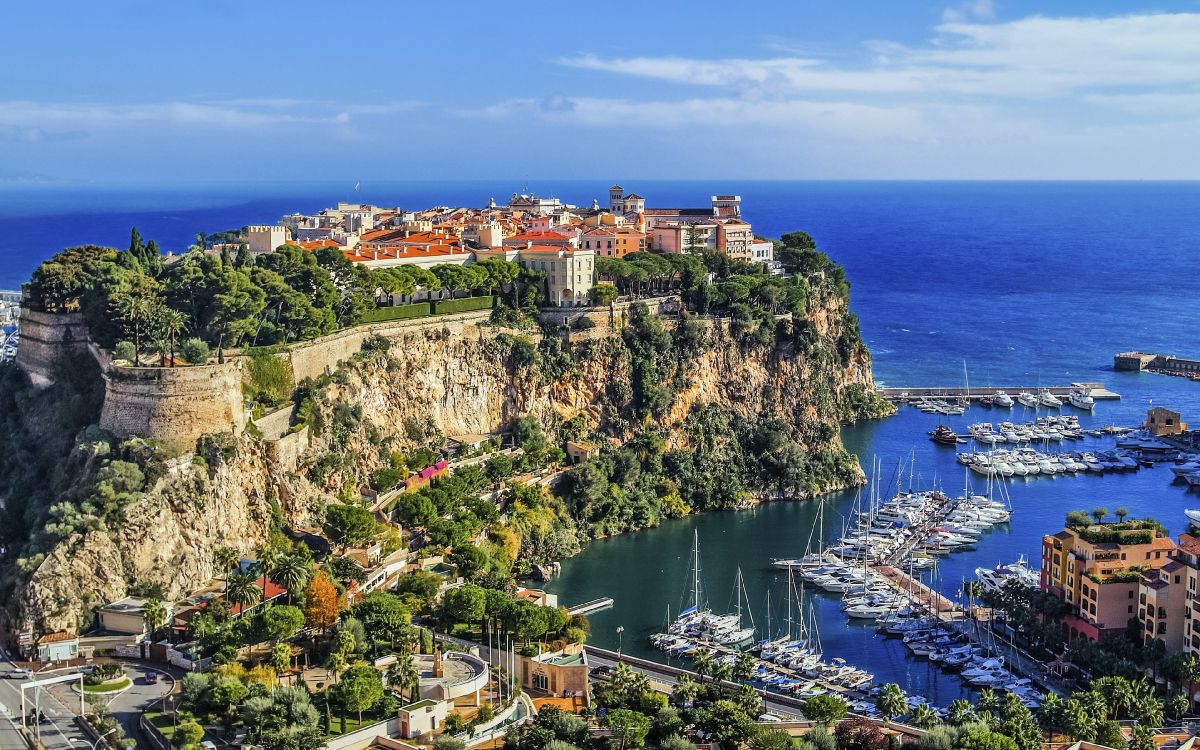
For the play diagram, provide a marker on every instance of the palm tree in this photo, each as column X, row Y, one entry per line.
column 1099, row 513
column 743, row 668
column 404, row 675
column 267, row 557
column 1051, row 715
column 174, row 323
column 702, row 663
column 292, row 571
column 242, row 588
column 224, row 560
column 891, row 702
column 685, row 690
column 721, row 671
column 924, row 717
column 154, row 614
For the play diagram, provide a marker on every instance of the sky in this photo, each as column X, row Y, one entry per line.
column 165, row 93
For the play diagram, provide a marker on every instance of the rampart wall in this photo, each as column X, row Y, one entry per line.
column 49, row 340
column 173, row 404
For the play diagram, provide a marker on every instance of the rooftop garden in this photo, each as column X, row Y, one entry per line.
column 1092, row 528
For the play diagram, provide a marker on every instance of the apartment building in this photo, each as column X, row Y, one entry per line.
column 613, row 242
column 1098, row 570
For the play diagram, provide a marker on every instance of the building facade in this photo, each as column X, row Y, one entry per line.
column 1097, row 570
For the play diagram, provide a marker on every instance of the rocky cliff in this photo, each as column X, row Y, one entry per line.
column 391, row 396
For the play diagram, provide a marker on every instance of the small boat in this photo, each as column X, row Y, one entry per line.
column 987, row 401
column 943, row 435
column 1025, row 398
column 1193, row 515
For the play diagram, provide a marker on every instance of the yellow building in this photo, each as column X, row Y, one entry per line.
column 1160, row 421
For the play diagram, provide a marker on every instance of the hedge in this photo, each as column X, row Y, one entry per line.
column 443, row 306
column 399, row 312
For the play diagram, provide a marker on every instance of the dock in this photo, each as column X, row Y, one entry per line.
column 904, row 394
column 1164, row 364
column 595, row 605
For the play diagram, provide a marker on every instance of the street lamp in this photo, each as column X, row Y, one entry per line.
column 92, row 745
column 620, row 638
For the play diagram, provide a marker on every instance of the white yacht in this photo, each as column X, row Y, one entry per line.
column 1002, row 399
column 1025, row 398
column 1081, row 400
column 1046, row 398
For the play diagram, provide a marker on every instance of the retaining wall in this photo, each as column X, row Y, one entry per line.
column 609, row 315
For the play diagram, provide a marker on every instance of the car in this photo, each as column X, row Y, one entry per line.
column 602, row 673
column 20, row 673
column 152, row 678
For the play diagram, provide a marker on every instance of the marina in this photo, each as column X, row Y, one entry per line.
column 987, row 394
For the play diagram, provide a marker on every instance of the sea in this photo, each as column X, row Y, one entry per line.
column 1002, row 283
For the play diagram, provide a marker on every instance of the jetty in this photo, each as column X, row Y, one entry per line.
column 903, row 394
column 594, row 605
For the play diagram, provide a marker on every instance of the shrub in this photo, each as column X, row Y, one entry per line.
column 124, row 350
column 194, row 351
column 269, row 377
column 399, row 312
column 445, row 306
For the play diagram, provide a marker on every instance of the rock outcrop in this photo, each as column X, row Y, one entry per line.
column 458, row 380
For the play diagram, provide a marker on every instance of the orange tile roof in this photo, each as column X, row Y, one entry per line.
column 369, row 253
column 1189, row 544
column 58, row 637
column 533, row 236
column 317, row 244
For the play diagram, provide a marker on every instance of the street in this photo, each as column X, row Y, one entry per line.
column 56, row 733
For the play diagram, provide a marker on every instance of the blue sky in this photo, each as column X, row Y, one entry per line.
column 173, row 92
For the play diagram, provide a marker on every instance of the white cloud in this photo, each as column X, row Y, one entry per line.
column 1027, row 58
column 981, row 9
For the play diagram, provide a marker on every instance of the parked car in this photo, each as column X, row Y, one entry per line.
column 20, row 673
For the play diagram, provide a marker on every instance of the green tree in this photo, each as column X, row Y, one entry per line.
column 281, row 657
column 765, row 738
column 924, row 717
column 293, row 572
column 194, row 351
column 685, row 690
column 825, row 709
column 349, row 525
column 465, row 603
column 188, row 733
column 404, row 676
column 360, row 688
column 628, row 728
column 282, row 622
column 1099, row 513
column 960, row 712
column 384, row 617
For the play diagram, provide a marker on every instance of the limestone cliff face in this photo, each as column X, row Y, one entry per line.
column 463, row 380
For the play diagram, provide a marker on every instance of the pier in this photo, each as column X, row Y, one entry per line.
column 903, row 394
column 595, row 605
column 1164, row 364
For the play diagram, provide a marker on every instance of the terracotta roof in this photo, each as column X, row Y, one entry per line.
column 534, row 236
column 58, row 637
column 317, row 244
column 1189, row 544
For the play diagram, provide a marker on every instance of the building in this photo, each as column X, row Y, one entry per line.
column 570, row 272
column 1188, row 555
column 127, row 616
column 762, row 252
column 423, row 718
column 734, row 238
column 1160, row 421
column 561, row 674
column 613, row 242
column 538, row 597
column 681, row 237
column 1164, row 605
column 1097, row 570
column 266, row 239
column 59, row 646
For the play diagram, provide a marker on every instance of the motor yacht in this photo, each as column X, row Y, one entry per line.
column 1025, row 398
column 1046, row 398
column 1080, row 399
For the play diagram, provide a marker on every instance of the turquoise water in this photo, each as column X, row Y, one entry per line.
column 1027, row 283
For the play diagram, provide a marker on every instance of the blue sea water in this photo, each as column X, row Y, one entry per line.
column 1023, row 283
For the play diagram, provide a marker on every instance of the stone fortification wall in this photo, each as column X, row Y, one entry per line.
column 48, row 340
column 314, row 358
column 173, row 404
column 607, row 315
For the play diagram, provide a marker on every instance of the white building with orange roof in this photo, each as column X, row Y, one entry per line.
column 557, row 239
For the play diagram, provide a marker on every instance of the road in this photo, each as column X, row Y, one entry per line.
column 780, row 705
column 56, row 733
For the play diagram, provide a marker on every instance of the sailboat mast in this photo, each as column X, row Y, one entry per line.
column 696, row 569
column 789, row 603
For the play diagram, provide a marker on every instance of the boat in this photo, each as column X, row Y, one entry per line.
column 1025, row 398
column 1002, row 400
column 1046, row 398
column 943, row 435
column 1080, row 399
column 1193, row 515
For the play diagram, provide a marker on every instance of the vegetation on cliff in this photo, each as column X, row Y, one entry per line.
column 136, row 302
